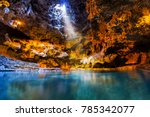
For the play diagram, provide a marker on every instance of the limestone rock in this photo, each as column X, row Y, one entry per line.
column 132, row 58
column 10, row 64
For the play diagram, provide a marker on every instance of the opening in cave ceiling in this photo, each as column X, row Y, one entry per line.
column 61, row 17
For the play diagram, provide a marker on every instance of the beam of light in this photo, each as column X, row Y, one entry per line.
column 63, row 8
column 69, row 29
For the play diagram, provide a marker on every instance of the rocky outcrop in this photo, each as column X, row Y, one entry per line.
column 37, row 12
column 110, row 38
column 14, row 33
column 144, row 67
column 10, row 64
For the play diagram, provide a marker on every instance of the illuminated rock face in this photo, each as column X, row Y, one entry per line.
column 75, row 8
column 39, row 12
column 104, row 41
column 9, row 64
column 61, row 20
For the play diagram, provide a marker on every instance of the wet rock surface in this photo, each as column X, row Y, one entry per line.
column 10, row 64
column 144, row 67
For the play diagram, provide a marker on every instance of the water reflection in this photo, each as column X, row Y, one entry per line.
column 75, row 85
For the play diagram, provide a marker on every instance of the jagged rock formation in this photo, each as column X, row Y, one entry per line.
column 14, row 33
column 117, row 34
column 113, row 33
column 10, row 64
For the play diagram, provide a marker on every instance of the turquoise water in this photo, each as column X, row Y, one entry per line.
column 75, row 85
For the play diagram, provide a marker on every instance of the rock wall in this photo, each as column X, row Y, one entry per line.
column 113, row 33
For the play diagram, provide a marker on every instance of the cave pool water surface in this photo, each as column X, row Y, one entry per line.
column 75, row 85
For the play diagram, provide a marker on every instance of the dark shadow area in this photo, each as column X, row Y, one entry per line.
column 143, row 44
column 12, row 32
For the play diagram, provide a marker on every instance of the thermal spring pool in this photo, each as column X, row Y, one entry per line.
column 75, row 85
